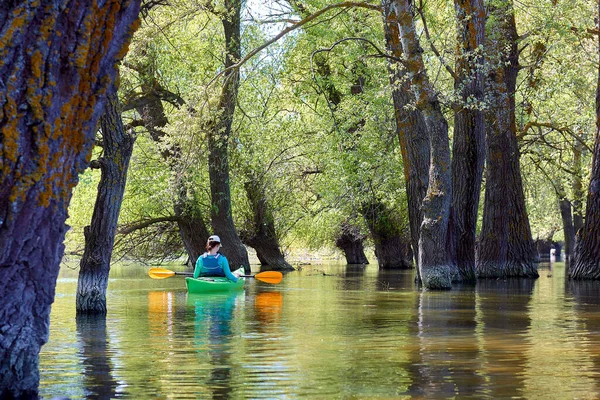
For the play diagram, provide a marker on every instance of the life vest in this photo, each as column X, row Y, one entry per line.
column 210, row 265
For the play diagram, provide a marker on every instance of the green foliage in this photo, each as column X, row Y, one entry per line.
column 314, row 126
column 556, row 91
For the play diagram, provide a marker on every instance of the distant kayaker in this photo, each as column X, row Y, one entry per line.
column 213, row 263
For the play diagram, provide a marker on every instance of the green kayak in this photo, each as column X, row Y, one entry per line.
column 213, row 284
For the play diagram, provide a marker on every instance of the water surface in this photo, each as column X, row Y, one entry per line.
column 327, row 332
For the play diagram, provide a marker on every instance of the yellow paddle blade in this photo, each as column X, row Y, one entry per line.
column 272, row 277
column 160, row 273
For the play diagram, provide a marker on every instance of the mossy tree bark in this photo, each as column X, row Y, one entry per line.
column 100, row 234
column 218, row 141
column 468, row 146
column 410, row 127
column 587, row 256
column 434, row 261
column 506, row 246
column 59, row 62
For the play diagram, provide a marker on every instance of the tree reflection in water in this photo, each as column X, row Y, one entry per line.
column 393, row 279
column 587, row 309
column 94, row 350
column 503, row 313
column 445, row 358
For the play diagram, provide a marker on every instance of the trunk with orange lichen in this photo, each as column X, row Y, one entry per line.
column 435, row 266
column 58, row 62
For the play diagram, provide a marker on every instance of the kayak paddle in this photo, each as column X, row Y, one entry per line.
column 273, row 277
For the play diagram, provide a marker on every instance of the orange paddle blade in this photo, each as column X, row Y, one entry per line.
column 272, row 277
column 160, row 273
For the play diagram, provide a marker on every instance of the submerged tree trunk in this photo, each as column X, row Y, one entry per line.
column 587, row 256
column 262, row 236
column 392, row 248
column 566, row 215
column 506, row 246
column 434, row 263
column 411, row 129
column 218, row 139
column 578, row 192
column 100, row 234
column 468, row 146
column 351, row 241
column 54, row 78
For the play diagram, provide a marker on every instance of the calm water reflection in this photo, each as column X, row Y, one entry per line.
column 328, row 332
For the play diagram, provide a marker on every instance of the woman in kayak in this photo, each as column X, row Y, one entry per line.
column 213, row 263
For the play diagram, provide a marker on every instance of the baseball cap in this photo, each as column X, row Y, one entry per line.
column 214, row 238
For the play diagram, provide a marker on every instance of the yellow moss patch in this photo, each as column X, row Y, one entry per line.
column 36, row 64
column 34, row 98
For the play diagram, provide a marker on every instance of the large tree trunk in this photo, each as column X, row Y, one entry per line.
column 587, row 256
column 506, row 246
column 350, row 240
column 468, row 147
column 262, row 236
column 434, row 263
column 392, row 248
column 100, row 234
column 218, row 139
column 59, row 61
column 411, row 129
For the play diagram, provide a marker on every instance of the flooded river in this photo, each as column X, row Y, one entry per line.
column 327, row 332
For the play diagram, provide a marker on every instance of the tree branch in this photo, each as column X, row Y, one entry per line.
column 380, row 53
column 148, row 98
column 551, row 126
column 304, row 21
column 432, row 46
column 135, row 226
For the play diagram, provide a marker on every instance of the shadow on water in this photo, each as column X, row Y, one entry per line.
column 213, row 336
column 354, row 277
column 395, row 279
column 98, row 380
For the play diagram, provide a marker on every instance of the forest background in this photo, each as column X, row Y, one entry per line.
column 314, row 135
